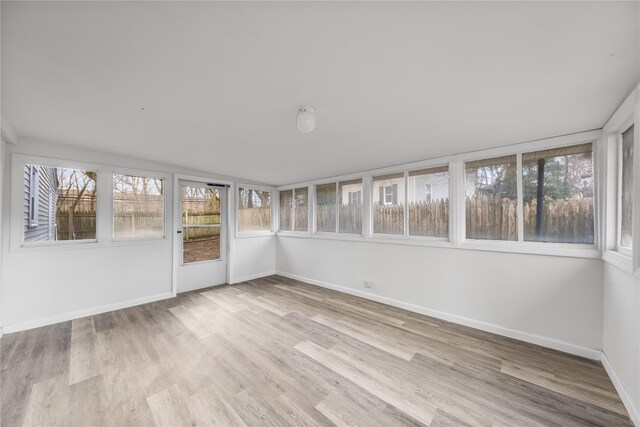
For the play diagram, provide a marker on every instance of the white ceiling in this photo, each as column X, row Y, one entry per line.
column 392, row 82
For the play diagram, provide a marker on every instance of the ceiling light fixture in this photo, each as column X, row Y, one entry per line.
column 306, row 120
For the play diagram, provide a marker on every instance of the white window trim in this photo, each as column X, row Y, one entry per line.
column 520, row 245
column 104, row 205
column 292, row 211
column 166, row 180
column 626, row 115
column 623, row 250
column 275, row 205
column 457, row 225
column 293, row 231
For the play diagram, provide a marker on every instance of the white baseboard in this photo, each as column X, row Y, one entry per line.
column 624, row 396
column 84, row 313
column 251, row 277
column 477, row 324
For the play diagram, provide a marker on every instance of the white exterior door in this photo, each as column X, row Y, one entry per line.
column 202, row 235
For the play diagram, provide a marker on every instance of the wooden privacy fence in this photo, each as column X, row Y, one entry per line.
column 563, row 221
column 491, row 217
column 487, row 217
column 301, row 215
column 254, row 219
column 350, row 218
column 83, row 223
column 197, row 226
column 425, row 218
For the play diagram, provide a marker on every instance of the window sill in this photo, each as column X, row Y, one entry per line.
column 534, row 248
column 291, row 233
column 618, row 260
column 549, row 249
column 62, row 245
column 389, row 240
column 249, row 235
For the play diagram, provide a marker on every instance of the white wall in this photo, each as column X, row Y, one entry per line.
column 261, row 250
column 621, row 334
column 555, row 301
column 2, row 156
column 46, row 286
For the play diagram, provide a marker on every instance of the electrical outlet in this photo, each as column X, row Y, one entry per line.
column 367, row 283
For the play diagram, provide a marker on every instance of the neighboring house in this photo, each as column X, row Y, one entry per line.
column 40, row 199
column 429, row 187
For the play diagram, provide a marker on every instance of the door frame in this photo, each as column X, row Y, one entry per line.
column 177, row 222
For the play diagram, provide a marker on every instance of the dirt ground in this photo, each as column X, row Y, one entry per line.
column 201, row 250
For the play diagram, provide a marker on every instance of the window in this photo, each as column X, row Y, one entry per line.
column 350, row 214
column 254, row 210
column 138, row 207
column 388, row 204
column 60, row 204
column 557, row 187
column 428, row 202
column 326, row 203
column 301, row 211
column 491, row 199
column 294, row 209
column 286, row 205
column 625, row 207
column 201, row 223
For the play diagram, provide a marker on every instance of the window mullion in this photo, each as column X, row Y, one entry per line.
column 406, row 204
column 293, row 209
column 337, row 209
column 520, row 207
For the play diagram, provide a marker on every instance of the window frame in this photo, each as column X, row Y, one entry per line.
column 520, row 245
column 104, row 205
column 314, row 230
column 628, row 114
column 275, row 207
column 456, row 239
column 339, row 202
column 293, row 210
column 623, row 250
column 292, row 213
column 165, row 223
column 403, row 203
column 16, row 240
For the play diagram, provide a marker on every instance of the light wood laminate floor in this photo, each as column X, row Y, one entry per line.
column 277, row 352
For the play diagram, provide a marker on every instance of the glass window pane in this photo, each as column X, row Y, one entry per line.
column 286, row 203
column 326, row 205
column 350, row 206
column 201, row 223
column 60, row 204
column 388, row 204
column 138, row 206
column 491, row 199
column 626, row 193
column 428, row 199
column 254, row 213
column 302, row 209
column 557, row 189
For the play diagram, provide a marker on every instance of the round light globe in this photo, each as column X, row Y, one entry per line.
column 306, row 121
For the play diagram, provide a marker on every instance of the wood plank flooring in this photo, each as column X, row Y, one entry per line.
column 277, row 352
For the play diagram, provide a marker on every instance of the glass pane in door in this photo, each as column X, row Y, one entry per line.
column 200, row 224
